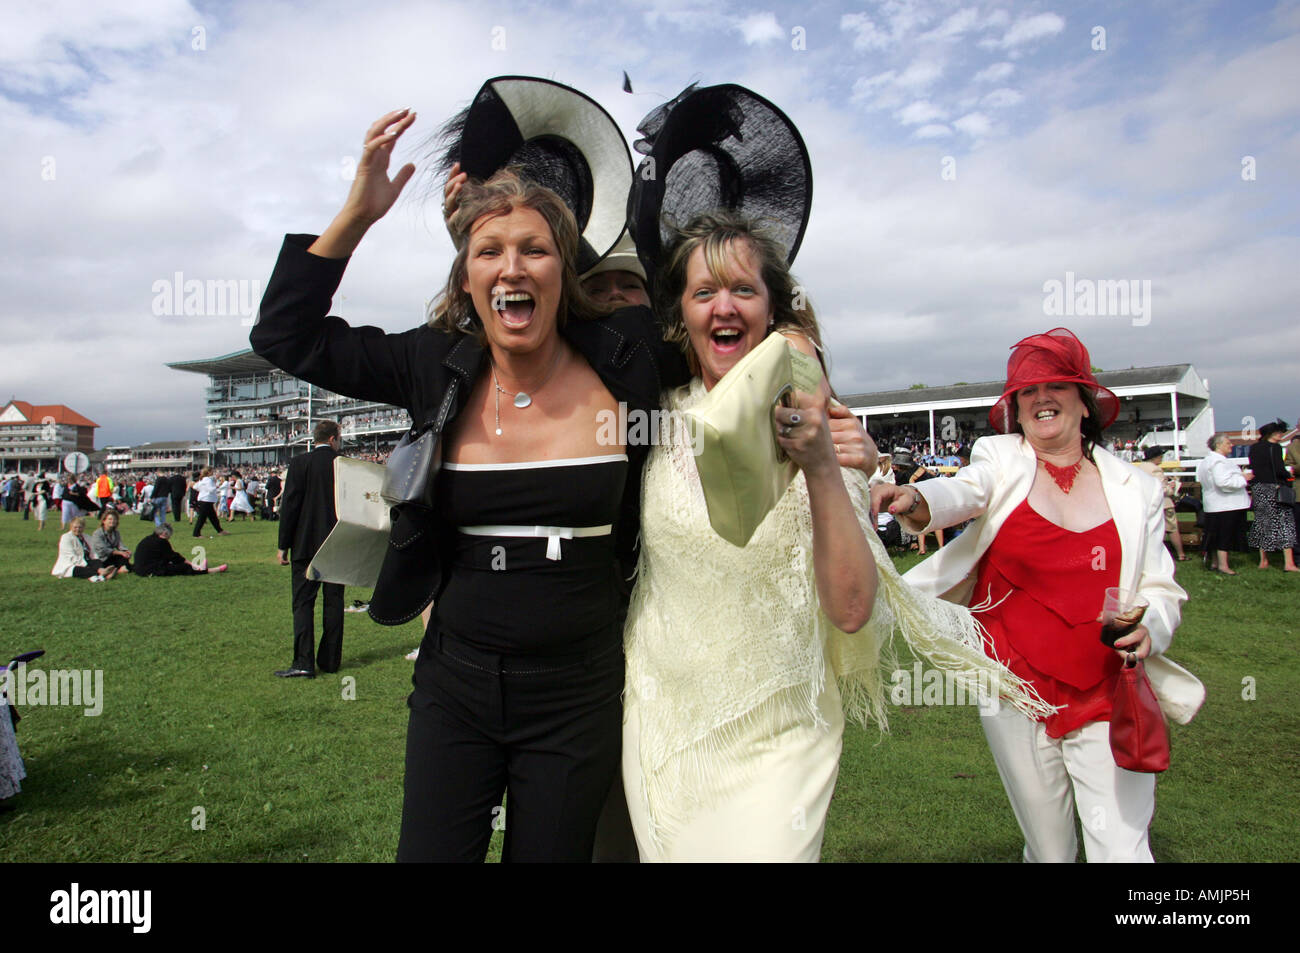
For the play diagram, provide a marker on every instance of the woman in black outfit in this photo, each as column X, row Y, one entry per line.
column 531, row 540
column 1273, row 527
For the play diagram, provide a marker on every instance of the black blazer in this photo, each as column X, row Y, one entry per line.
column 414, row 368
column 154, row 554
column 307, row 513
column 1266, row 462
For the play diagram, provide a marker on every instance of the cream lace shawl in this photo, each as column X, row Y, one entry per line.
column 722, row 639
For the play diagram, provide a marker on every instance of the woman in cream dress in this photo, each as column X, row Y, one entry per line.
column 742, row 663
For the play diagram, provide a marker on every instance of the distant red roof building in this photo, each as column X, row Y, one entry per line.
column 61, row 413
column 38, row 436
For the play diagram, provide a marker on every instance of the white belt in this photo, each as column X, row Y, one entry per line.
column 552, row 534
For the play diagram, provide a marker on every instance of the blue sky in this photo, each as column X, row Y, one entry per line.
column 156, row 137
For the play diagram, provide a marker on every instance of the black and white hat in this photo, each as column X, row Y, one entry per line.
column 559, row 138
column 721, row 147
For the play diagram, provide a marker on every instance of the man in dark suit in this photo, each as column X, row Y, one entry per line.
column 306, row 518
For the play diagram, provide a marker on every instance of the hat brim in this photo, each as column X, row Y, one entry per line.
column 623, row 257
column 559, row 138
column 1002, row 416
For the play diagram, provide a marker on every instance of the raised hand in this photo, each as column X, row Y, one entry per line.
column 854, row 448
column 373, row 192
column 456, row 180
column 803, row 431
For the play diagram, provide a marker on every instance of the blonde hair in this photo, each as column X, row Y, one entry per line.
column 716, row 233
column 505, row 191
column 76, row 525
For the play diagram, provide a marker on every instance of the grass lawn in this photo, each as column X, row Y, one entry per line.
column 194, row 726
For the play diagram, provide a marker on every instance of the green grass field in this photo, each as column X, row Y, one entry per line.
column 195, row 727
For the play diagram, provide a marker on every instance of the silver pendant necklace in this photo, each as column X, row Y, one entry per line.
column 522, row 399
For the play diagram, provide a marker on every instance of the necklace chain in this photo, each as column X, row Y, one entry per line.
column 522, row 399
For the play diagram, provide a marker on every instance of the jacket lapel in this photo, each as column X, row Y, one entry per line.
column 1125, row 509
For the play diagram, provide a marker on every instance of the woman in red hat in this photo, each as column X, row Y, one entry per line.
column 1058, row 520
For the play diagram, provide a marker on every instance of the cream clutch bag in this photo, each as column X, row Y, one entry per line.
column 742, row 468
column 354, row 550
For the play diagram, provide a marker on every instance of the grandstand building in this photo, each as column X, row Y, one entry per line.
column 257, row 415
column 1166, row 406
column 36, row 437
column 169, row 455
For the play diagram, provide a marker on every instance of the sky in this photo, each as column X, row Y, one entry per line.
column 965, row 155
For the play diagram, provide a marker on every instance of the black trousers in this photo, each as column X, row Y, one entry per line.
column 206, row 511
column 546, row 732
column 330, row 655
column 92, row 568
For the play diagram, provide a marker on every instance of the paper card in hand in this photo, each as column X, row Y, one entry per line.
column 355, row 547
column 742, row 468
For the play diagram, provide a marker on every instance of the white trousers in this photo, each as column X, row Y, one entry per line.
column 1046, row 779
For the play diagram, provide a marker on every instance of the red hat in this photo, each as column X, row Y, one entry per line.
column 1055, row 355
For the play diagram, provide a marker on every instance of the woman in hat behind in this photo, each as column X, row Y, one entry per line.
column 1273, row 528
column 530, row 536
column 1057, row 520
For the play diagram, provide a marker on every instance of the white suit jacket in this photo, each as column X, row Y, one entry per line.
column 998, row 479
column 1223, row 485
column 71, row 555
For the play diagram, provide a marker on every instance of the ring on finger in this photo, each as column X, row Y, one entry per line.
column 795, row 420
column 785, row 430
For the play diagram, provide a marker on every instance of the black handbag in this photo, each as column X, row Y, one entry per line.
column 411, row 467
column 1285, row 491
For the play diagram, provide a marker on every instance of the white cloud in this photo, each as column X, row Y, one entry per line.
column 1001, row 98
column 920, row 74
column 933, row 131
column 1027, row 29
column 760, row 28
column 955, row 25
column 997, row 73
column 921, row 111
column 974, row 124
column 867, row 89
column 866, row 35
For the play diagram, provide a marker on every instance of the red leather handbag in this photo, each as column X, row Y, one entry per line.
column 1139, row 736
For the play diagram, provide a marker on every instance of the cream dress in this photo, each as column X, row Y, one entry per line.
column 738, row 684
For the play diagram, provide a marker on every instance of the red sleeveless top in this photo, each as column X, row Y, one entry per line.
column 1047, row 585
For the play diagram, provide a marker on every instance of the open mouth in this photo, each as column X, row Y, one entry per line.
column 727, row 340
column 1046, row 415
column 515, row 308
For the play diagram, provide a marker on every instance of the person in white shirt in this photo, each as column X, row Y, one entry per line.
column 207, row 505
column 1224, row 502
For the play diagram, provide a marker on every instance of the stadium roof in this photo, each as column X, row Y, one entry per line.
column 236, row 362
column 987, row 392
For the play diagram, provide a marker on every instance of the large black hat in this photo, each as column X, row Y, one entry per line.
column 715, row 148
column 561, row 139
